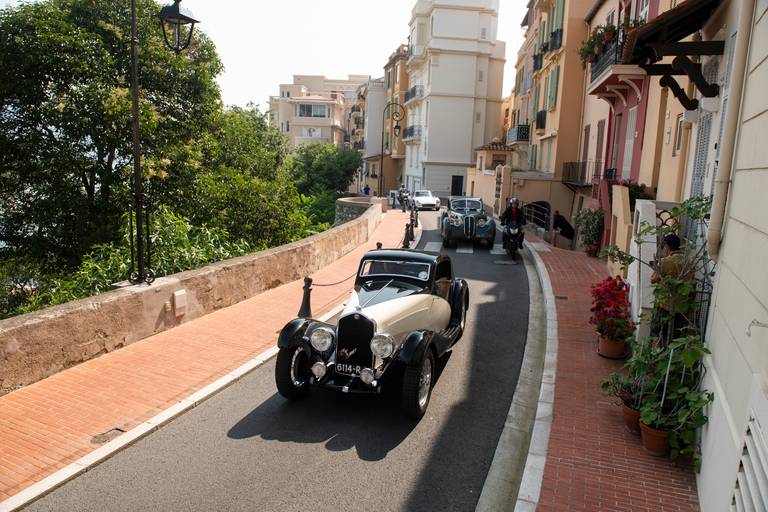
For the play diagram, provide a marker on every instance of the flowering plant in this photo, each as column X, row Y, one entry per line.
column 610, row 309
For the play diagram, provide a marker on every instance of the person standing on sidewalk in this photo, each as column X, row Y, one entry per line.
column 671, row 266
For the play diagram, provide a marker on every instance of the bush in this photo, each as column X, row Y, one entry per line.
column 590, row 225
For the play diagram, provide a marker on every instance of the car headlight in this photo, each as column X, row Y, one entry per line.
column 482, row 222
column 321, row 339
column 383, row 345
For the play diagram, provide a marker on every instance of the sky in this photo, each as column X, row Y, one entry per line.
column 263, row 43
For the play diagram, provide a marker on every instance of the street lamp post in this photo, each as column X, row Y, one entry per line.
column 172, row 19
column 395, row 112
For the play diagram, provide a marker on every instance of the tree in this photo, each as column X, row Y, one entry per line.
column 65, row 130
column 323, row 167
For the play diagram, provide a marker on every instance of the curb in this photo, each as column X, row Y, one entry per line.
column 514, row 482
column 101, row 454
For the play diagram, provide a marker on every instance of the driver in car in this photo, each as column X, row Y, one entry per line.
column 515, row 214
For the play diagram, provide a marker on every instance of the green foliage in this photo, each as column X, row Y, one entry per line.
column 177, row 244
column 320, row 208
column 322, row 166
column 65, row 131
column 589, row 223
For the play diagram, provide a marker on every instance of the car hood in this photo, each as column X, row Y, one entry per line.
column 425, row 199
column 399, row 316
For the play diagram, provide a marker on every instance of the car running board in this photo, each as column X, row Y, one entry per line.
column 452, row 333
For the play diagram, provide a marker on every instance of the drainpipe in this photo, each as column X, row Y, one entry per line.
column 723, row 180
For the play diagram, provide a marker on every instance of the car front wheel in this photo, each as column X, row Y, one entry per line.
column 292, row 372
column 417, row 386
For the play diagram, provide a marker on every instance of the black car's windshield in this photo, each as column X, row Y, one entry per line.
column 466, row 204
column 391, row 268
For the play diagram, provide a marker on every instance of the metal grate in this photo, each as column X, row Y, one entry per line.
column 751, row 490
column 354, row 338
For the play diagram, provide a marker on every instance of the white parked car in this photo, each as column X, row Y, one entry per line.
column 423, row 199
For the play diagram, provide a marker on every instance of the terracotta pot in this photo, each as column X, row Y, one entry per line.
column 611, row 349
column 654, row 441
column 631, row 418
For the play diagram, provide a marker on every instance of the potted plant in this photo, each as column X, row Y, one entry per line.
column 609, row 31
column 628, row 390
column 611, row 317
column 589, row 223
column 587, row 51
column 671, row 413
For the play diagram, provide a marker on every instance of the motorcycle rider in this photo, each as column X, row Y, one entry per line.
column 515, row 214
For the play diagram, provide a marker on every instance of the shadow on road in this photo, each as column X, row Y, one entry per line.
column 372, row 424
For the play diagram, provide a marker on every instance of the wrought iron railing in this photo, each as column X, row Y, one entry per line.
column 519, row 133
column 360, row 145
column 541, row 120
column 556, row 40
column 412, row 132
column 612, row 54
column 538, row 60
column 417, row 91
column 355, row 108
column 538, row 214
column 600, row 175
column 581, row 173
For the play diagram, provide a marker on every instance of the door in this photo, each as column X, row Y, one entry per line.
column 616, row 135
column 629, row 144
column 457, row 185
column 599, row 148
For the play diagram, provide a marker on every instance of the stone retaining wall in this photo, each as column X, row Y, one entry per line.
column 42, row 343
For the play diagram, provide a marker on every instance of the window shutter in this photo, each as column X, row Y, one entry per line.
column 546, row 93
column 553, row 85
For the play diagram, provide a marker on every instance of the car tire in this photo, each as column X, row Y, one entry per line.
column 292, row 373
column 418, row 381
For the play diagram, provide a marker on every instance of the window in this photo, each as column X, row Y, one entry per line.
column 477, row 117
column 312, row 132
column 432, row 26
column 553, row 82
column 644, row 6
column 546, row 93
column 678, row 135
column 483, row 33
column 480, row 76
column 309, row 110
column 481, row 162
column 287, row 126
column 609, row 20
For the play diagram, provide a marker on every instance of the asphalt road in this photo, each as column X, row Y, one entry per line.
column 247, row 449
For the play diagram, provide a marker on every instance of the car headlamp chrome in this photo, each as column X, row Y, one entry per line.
column 321, row 339
column 383, row 345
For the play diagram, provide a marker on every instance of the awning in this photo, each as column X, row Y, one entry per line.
column 668, row 27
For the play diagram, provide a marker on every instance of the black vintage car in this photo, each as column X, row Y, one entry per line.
column 406, row 311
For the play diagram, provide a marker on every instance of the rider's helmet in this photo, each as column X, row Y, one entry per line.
column 513, row 201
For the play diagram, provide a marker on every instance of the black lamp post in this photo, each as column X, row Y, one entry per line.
column 395, row 112
column 172, row 19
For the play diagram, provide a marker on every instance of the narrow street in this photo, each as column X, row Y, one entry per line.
column 248, row 449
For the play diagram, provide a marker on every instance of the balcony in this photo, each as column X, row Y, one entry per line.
column 556, row 40
column 519, row 133
column 415, row 92
column 579, row 174
column 541, row 120
column 412, row 133
column 600, row 175
column 356, row 109
column 612, row 54
column 538, row 60
column 360, row 145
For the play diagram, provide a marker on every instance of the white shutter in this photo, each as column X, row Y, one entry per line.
column 629, row 144
column 751, row 490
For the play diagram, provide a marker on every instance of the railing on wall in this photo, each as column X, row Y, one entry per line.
column 612, row 54
column 581, row 173
column 519, row 133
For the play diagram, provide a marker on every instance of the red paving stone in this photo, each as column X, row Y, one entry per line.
column 49, row 424
column 593, row 463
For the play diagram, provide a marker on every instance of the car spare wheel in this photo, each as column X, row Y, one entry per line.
column 417, row 386
column 292, row 372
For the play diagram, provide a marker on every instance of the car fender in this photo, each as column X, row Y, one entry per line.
column 415, row 346
column 293, row 333
column 458, row 288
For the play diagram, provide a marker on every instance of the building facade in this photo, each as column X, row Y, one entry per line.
column 315, row 109
column 455, row 66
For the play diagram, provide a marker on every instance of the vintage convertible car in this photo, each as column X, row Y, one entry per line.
column 406, row 311
column 424, row 199
column 466, row 219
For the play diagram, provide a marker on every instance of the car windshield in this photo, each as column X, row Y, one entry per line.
column 391, row 268
column 423, row 193
column 466, row 204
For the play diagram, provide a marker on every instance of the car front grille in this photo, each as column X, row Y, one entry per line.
column 469, row 226
column 355, row 332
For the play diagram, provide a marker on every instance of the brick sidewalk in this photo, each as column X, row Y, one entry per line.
column 593, row 463
column 50, row 424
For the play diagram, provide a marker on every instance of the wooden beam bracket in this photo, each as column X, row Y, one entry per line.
column 683, row 63
column 688, row 103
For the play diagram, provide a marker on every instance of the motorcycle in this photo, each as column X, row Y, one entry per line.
column 510, row 239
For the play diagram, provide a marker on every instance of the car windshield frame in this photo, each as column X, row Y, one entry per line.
column 421, row 270
column 455, row 204
column 422, row 193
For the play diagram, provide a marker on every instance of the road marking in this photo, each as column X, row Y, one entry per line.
column 465, row 249
column 433, row 246
column 498, row 249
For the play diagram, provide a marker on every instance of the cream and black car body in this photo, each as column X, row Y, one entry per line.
column 406, row 311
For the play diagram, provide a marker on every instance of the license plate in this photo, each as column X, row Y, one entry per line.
column 348, row 369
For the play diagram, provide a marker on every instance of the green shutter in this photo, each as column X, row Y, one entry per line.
column 536, row 93
column 553, row 86
column 546, row 93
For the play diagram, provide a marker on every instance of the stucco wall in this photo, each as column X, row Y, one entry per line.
column 39, row 344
